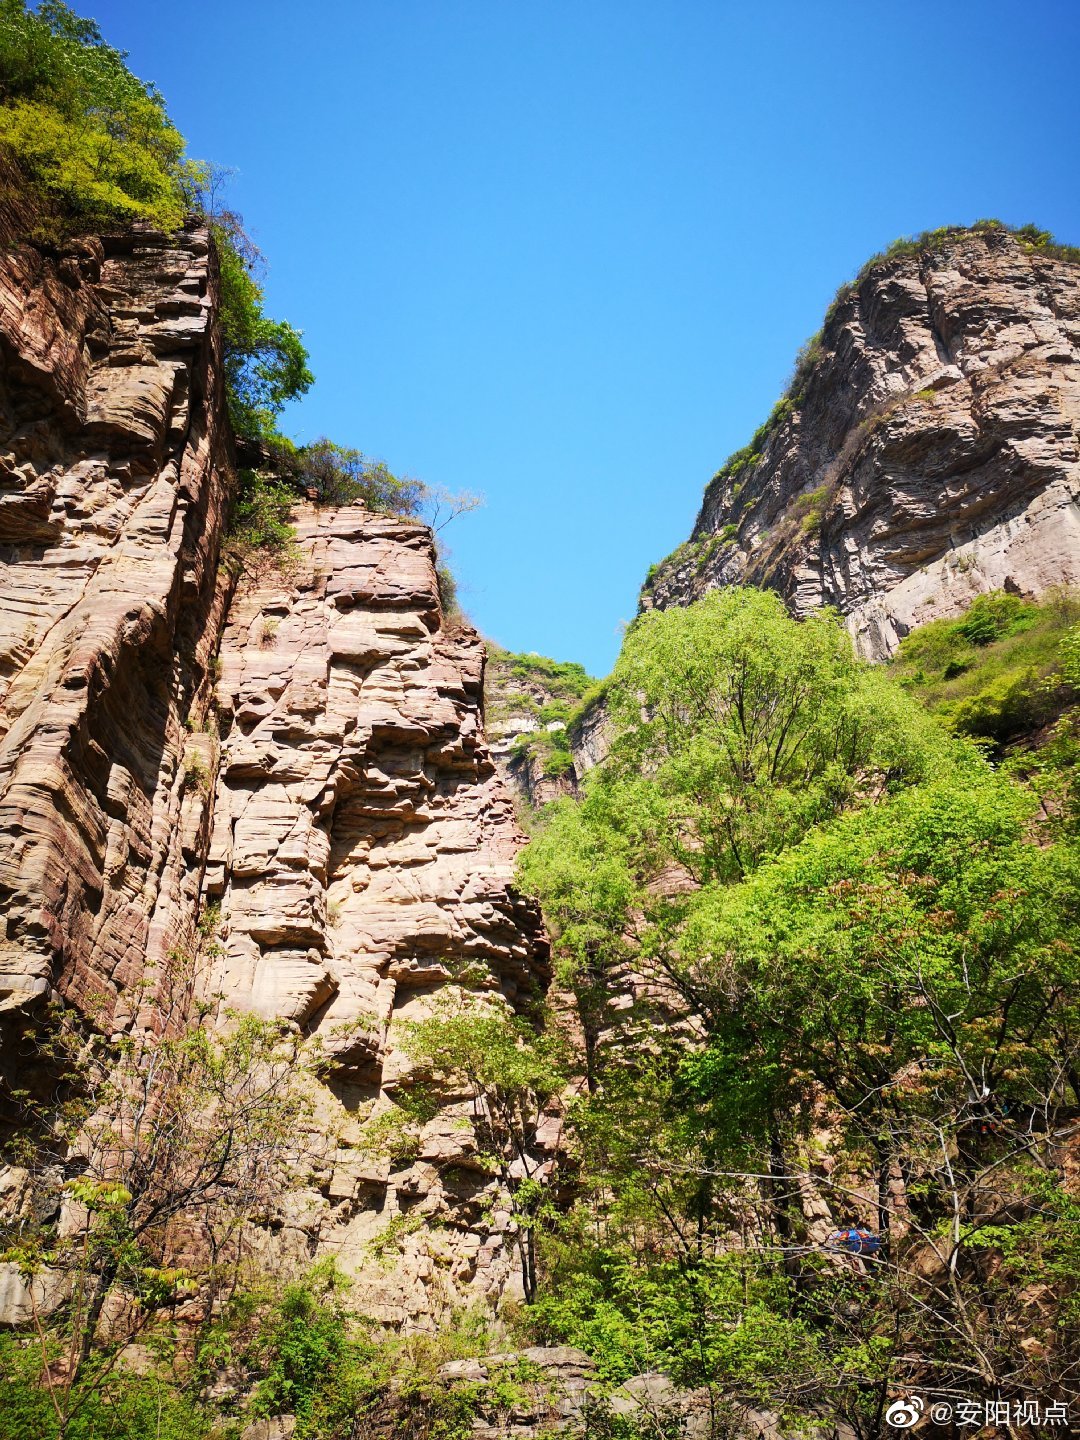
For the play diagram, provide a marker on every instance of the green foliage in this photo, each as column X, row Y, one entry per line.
column 448, row 590
column 998, row 671
column 97, row 145
column 860, row 962
column 261, row 518
column 95, row 139
column 535, row 685
column 331, row 474
column 564, row 679
column 752, row 727
column 559, row 760
column 304, row 1344
column 809, row 509
column 123, row 1406
column 185, row 1123
column 265, row 360
column 512, row 1070
column 337, row 475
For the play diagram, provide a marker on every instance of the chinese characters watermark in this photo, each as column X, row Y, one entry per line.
column 1036, row 1414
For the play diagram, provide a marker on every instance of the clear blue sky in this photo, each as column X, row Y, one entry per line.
column 563, row 251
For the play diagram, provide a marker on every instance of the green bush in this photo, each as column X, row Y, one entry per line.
column 448, row 590
column 337, row 475
column 96, row 144
column 997, row 671
column 995, row 614
column 95, row 139
column 262, row 515
column 125, row 1406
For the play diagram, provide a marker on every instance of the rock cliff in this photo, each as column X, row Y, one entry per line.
column 362, row 854
column 544, row 723
column 112, row 500
column 288, row 760
column 926, row 452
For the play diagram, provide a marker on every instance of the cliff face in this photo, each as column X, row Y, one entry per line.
column 112, row 496
column 363, row 852
column 323, row 780
column 930, row 456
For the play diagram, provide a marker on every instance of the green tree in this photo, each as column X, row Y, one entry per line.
column 141, row 1183
column 94, row 138
column 826, row 964
column 510, row 1072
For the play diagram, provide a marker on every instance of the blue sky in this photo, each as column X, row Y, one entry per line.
column 563, row 252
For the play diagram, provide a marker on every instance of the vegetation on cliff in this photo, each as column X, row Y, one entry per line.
column 733, row 481
column 97, row 146
column 97, row 140
column 825, row 962
column 997, row 673
column 551, row 696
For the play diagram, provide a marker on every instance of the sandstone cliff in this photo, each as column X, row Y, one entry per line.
column 363, row 853
column 927, row 453
column 112, row 501
column 289, row 760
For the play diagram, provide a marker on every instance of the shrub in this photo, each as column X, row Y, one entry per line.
column 997, row 672
column 265, row 360
column 262, row 514
column 337, row 475
column 995, row 614
column 92, row 137
column 447, row 590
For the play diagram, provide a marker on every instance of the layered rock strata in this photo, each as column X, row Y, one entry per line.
column 362, row 856
column 362, row 846
column 931, row 453
column 113, row 483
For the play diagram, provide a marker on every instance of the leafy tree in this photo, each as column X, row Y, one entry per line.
column 510, row 1072
column 826, row 965
column 95, row 138
column 168, row 1146
column 336, row 475
column 266, row 362
column 752, row 727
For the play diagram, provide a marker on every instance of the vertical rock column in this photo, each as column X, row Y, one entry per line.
column 363, row 854
column 113, row 481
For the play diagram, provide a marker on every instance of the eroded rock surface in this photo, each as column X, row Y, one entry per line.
column 113, row 481
column 933, row 455
column 363, row 854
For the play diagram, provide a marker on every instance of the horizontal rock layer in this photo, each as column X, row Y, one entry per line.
column 348, row 819
column 363, row 854
column 933, row 454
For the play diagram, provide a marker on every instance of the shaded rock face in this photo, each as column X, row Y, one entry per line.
column 113, row 481
column 933, row 455
column 363, row 853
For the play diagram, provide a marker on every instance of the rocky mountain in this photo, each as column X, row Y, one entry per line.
column 925, row 452
column 292, row 775
column 275, row 771
column 535, row 711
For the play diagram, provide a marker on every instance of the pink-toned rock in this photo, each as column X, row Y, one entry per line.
column 932, row 456
column 112, row 494
column 363, row 853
